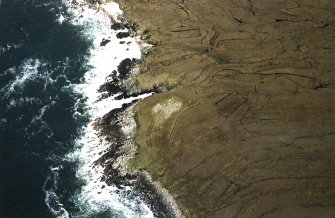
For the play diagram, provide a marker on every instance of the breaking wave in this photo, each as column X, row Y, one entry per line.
column 94, row 197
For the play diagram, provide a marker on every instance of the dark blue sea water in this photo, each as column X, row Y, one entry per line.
column 45, row 58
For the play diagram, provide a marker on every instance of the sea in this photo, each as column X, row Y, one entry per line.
column 52, row 63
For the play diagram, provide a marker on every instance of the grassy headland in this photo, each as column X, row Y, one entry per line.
column 246, row 127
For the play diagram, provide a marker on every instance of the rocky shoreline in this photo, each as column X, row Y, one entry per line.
column 118, row 128
column 243, row 123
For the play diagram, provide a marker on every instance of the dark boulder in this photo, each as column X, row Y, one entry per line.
column 125, row 67
column 104, row 42
column 118, row 26
column 121, row 35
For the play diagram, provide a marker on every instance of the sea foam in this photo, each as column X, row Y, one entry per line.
column 95, row 196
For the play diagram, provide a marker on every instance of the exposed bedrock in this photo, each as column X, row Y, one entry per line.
column 246, row 127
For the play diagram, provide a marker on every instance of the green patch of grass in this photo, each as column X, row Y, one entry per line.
column 220, row 58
